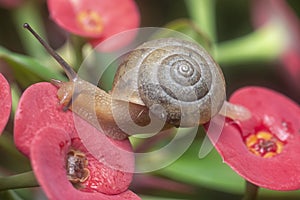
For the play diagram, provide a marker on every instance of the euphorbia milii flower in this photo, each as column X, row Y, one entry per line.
column 68, row 166
column 264, row 149
column 5, row 102
column 95, row 19
column 278, row 14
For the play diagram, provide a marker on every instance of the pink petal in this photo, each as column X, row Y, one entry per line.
column 48, row 153
column 5, row 102
column 281, row 172
column 38, row 108
column 116, row 15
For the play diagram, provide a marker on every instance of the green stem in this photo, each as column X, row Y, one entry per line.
column 15, row 93
column 265, row 44
column 77, row 45
column 10, row 195
column 30, row 13
column 23, row 180
column 250, row 191
column 202, row 13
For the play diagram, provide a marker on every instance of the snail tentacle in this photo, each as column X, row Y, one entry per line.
column 235, row 112
column 57, row 83
column 67, row 68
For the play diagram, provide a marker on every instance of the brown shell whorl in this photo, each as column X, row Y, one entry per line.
column 177, row 80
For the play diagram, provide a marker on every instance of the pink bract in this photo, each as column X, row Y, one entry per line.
column 271, row 112
column 5, row 102
column 279, row 13
column 95, row 18
column 48, row 161
column 45, row 133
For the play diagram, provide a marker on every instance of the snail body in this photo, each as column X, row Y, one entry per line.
column 169, row 81
column 96, row 107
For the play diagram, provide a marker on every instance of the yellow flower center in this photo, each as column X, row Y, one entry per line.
column 90, row 21
column 264, row 144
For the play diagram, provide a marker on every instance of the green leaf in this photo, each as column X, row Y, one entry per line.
column 10, row 195
column 30, row 12
column 261, row 45
column 28, row 70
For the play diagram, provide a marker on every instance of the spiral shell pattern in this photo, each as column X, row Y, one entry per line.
column 177, row 80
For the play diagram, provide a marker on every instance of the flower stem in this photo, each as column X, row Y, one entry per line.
column 203, row 14
column 264, row 44
column 77, row 45
column 23, row 180
column 15, row 93
column 250, row 191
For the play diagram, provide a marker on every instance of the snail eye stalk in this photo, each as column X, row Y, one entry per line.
column 67, row 68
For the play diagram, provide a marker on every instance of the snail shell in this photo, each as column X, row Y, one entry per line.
column 176, row 79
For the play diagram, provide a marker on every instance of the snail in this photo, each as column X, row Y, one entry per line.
column 171, row 81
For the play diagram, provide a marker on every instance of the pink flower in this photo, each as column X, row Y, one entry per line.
column 95, row 19
column 264, row 149
column 5, row 102
column 279, row 14
column 70, row 158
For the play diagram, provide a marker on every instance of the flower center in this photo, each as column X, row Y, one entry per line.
column 76, row 166
column 264, row 144
column 90, row 21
